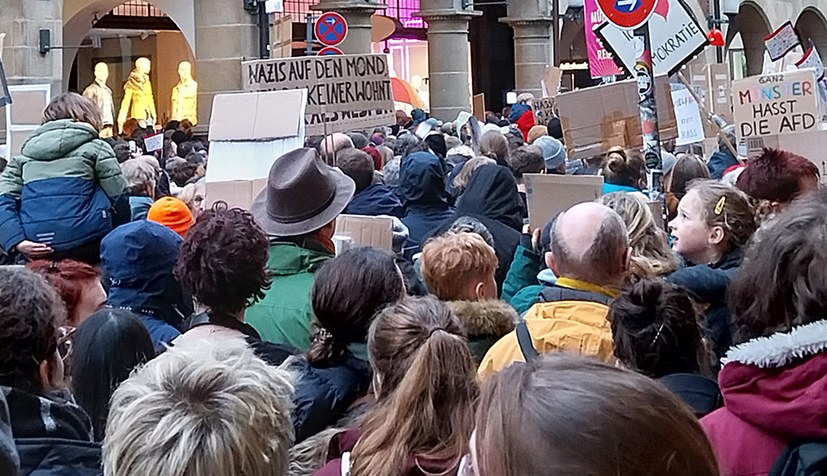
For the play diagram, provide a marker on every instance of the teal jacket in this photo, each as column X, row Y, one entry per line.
column 284, row 315
column 522, row 287
column 62, row 190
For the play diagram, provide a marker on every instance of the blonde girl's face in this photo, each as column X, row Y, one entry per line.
column 693, row 237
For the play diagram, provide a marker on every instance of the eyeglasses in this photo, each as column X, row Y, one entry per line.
column 64, row 341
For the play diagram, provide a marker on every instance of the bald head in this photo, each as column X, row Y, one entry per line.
column 590, row 242
column 332, row 144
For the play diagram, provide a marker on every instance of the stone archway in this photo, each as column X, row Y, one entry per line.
column 753, row 25
column 812, row 30
column 78, row 16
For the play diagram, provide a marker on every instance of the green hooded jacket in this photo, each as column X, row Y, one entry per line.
column 284, row 315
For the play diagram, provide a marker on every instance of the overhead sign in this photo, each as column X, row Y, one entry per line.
column 330, row 50
column 675, row 35
column 344, row 91
column 781, row 41
column 779, row 103
column 628, row 14
column 601, row 62
column 331, row 29
column 688, row 115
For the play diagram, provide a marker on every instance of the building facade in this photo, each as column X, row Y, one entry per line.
column 455, row 46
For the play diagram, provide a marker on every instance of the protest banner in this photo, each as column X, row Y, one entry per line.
column 601, row 62
column 548, row 195
column 780, row 103
column 675, row 35
column 598, row 118
column 688, row 116
column 543, row 110
column 248, row 132
column 154, row 142
column 781, row 41
column 345, row 92
column 812, row 59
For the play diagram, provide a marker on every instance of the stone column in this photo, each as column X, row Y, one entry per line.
column 357, row 13
column 532, row 51
column 225, row 34
column 448, row 57
column 21, row 21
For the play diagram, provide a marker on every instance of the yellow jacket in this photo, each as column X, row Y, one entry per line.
column 576, row 326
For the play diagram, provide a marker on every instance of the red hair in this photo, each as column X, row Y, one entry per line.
column 68, row 277
column 776, row 175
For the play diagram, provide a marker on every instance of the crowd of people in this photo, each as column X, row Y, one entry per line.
column 144, row 332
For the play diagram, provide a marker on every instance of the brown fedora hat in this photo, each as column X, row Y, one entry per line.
column 302, row 194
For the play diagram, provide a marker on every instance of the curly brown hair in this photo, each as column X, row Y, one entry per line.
column 30, row 313
column 223, row 261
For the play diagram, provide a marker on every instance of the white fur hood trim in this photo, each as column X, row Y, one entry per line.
column 781, row 348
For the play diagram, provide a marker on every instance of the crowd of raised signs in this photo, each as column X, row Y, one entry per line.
column 144, row 333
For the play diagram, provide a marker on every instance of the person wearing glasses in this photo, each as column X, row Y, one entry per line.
column 52, row 434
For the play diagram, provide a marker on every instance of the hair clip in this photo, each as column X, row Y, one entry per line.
column 657, row 335
column 719, row 207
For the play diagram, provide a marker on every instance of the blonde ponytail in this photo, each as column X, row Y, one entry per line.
column 428, row 388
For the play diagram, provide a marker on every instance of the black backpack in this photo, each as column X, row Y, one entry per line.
column 803, row 459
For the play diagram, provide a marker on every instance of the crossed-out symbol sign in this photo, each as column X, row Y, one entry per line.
column 627, row 6
column 331, row 29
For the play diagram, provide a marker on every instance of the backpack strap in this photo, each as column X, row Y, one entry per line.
column 526, row 344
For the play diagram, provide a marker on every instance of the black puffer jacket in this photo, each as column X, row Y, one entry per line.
column 325, row 392
column 708, row 284
column 52, row 434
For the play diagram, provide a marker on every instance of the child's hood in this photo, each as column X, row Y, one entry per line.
column 56, row 139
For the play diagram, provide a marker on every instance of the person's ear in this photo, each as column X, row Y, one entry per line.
column 551, row 262
column 776, row 207
column 50, row 371
column 716, row 235
column 626, row 263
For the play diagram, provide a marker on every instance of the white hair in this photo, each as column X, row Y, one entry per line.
column 202, row 408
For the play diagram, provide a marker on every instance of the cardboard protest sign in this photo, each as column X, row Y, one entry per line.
column 781, row 41
column 776, row 104
column 601, row 62
column 344, row 92
column 24, row 113
column 478, row 106
column 551, row 81
column 806, row 144
column 598, row 118
column 248, row 132
column 366, row 231
column 549, row 195
column 543, row 110
column 676, row 38
column 688, row 116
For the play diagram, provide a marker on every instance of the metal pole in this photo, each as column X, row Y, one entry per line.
column 555, row 32
column 648, row 107
column 716, row 11
column 309, row 35
column 263, row 31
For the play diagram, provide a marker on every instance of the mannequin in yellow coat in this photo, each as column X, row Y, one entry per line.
column 138, row 101
column 185, row 95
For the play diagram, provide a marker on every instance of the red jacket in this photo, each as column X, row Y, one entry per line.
column 775, row 392
column 525, row 123
column 345, row 441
